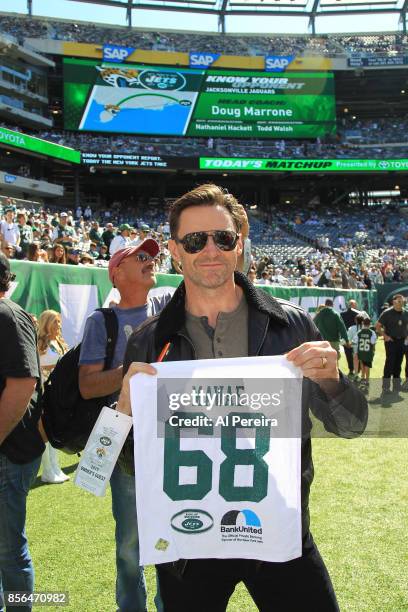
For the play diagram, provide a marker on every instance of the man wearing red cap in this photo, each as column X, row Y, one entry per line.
column 132, row 272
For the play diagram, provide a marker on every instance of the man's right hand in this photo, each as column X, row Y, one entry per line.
column 137, row 367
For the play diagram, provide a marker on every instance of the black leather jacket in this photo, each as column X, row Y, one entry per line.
column 274, row 327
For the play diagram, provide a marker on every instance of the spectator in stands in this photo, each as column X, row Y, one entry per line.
column 64, row 233
column 36, row 253
column 58, row 254
column 9, row 232
column 331, row 326
column 95, row 233
column 108, row 234
column 252, row 276
column 88, row 213
column 325, row 279
column 265, row 278
column 26, row 233
column 121, row 240
column 103, row 253
column 73, row 256
column 86, row 260
column 8, row 250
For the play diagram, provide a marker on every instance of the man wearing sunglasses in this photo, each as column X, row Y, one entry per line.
column 132, row 272
column 206, row 318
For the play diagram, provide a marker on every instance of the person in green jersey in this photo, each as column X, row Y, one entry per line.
column 331, row 326
column 366, row 339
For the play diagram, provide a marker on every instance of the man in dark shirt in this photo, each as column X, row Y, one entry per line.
column 95, row 234
column 349, row 317
column 393, row 325
column 21, row 445
column 108, row 235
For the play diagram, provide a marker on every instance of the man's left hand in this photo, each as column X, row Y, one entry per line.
column 317, row 360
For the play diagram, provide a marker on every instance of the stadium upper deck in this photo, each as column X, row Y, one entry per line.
column 23, row 27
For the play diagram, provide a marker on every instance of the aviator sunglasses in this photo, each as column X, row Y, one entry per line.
column 225, row 240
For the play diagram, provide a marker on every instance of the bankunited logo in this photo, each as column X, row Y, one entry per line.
column 192, row 521
column 241, row 521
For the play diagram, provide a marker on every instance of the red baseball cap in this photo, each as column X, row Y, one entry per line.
column 149, row 245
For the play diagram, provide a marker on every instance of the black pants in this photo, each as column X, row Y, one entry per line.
column 206, row 585
column 348, row 351
column 394, row 354
column 406, row 362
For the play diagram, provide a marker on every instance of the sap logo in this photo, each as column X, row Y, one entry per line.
column 277, row 63
column 113, row 53
column 203, row 60
column 9, row 178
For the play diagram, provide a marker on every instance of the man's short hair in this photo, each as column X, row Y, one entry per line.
column 205, row 195
column 329, row 302
column 397, row 296
column 367, row 322
column 5, row 275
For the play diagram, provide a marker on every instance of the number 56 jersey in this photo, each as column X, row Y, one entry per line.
column 218, row 460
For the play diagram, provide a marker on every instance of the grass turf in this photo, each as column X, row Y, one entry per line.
column 359, row 518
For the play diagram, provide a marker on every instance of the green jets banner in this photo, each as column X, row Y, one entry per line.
column 37, row 145
column 75, row 291
column 304, row 165
column 178, row 101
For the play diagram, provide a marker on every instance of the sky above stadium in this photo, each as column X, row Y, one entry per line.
column 67, row 9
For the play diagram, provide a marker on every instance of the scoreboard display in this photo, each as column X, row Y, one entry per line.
column 174, row 101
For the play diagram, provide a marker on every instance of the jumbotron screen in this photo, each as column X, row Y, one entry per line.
column 157, row 100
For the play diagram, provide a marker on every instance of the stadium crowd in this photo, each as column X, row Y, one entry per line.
column 23, row 28
column 302, row 247
column 388, row 135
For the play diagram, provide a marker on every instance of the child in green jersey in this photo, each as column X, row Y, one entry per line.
column 366, row 339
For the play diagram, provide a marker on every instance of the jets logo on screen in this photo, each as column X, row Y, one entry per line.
column 241, row 526
column 169, row 81
column 114, row 53
column 277, row 63
column 203, row 60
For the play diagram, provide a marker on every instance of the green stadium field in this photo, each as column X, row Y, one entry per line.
column 359, row 517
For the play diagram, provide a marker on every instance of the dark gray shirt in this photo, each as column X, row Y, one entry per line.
column 228, row 339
